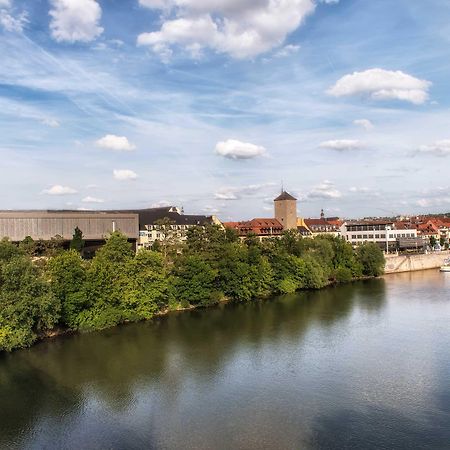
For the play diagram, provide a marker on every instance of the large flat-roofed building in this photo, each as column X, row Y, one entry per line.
column 388, row 234
column 45, row 225
column 180, row 223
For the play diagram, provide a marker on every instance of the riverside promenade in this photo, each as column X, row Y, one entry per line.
column 411, row 263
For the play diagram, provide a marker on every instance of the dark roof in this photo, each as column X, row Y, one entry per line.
column 303, row 230
column 284, row 196
column 150, row 215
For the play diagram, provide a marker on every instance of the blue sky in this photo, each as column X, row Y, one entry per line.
column 212, row 104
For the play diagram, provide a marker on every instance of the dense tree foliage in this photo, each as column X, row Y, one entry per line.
column 64, row 291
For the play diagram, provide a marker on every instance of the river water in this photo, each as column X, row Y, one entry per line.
column 360, row 366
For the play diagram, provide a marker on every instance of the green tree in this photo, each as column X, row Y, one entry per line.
column 8, row 250
column 195, row 281
column 433, row 241
column 169, row 238
column 28, row 309
column 28, row 245
column 146, row 289
column 77, row 242
column 67, row 274
column 371, row 259
column 105, row 284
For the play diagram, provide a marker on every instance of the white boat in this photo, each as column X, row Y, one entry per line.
column 446, row 266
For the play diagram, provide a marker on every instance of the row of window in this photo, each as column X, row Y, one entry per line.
column 366, row 227
column 382, row 236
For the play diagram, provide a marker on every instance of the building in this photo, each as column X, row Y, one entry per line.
column 150, row 231
column 286, row 210
column 388, row 234
column 263, row 228
column 45, row 225
column 324, row 225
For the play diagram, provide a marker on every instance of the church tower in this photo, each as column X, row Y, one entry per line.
column 286, row 210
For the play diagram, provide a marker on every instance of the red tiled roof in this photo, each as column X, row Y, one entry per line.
column 259, row 226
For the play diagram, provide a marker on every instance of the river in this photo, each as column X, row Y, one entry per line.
column 360, row 366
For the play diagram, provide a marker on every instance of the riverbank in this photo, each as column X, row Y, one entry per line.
column 412, row 263
column 65, row 292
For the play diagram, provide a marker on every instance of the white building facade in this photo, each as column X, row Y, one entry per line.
column 383, row 233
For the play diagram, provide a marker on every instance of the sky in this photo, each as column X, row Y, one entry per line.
column 214, row 105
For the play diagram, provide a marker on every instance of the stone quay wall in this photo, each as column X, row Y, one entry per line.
column 411, row 263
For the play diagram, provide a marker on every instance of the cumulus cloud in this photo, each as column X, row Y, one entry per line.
column 89, row 199
column 234, row 149
column 364, row 123
column 116, row 143
column 124, row 174
column 161, row 204
column 287, row 50
column 10, row 22
column 342, row 145
column 57, row 189
column 210, row 210
column 433, row 202
column 358, row 190
column 239, row 28
column 53, row 123
column 438, row 148
column 380, row 84
column 236, row 193
column 75, row 20
column 324, row 190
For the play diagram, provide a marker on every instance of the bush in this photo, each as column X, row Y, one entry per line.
column 343, row 275
column 371, row 259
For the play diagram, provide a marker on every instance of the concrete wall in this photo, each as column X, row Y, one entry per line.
column 411, row 263
column 16, row 225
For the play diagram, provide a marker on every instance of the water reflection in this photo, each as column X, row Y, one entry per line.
column 261, row 374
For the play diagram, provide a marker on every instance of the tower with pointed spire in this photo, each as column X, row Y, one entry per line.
column 286, row 210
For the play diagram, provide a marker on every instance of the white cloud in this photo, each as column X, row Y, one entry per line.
column 382, row 84
column 113, row 142
column 57, row 189
column 359, row 190
column 5, row 4
column 236, row 193
column 75, row 20
column 53, row 123
column 342, row 145
column 124, row 174
column 325, row 190
column 438, row 148
column 161, row 204
column 89, row 199
column 435, row 202
column 364, row 123
column 287, row 50
column 11, row 23
column 210, row 210
column 240, row 28
column 234, row 149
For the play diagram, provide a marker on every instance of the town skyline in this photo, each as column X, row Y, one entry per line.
column 128, row 104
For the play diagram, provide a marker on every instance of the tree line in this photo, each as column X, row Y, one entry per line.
column 59, row 290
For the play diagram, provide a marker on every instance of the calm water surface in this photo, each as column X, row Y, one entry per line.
column 363, row 366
